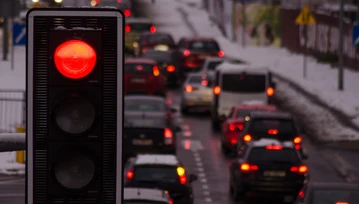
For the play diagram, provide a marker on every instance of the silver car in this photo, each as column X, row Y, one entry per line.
column 197, row 92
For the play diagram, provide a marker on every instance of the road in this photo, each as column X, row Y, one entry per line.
column 12, row 190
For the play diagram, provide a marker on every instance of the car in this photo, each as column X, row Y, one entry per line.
column 235, row 83
column 327, row 192
column 196, row 92
column 168, row 63
column 145, row 195
column 210, row 63
column 133, row 29
column 123, row 5
column 164, row 172
column 234, row 123
column 143, row 76
column 159, row 41
column 267, row 168
column 194, row 50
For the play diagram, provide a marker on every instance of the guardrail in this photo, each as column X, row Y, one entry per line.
column 12, row 142
column 12, row 109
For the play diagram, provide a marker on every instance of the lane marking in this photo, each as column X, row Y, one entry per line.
column 197, row 159
column 208, row 200
column 200, row 169
column 187, row 133
column 199, row 164
column 202, row 175
column 203, row 180
column 207, row 193
column 186, row 127
column 205, row 186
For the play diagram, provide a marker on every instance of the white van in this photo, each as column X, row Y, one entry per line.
column 237, row 83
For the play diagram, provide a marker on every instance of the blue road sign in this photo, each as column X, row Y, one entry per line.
column 356, row 35
column 19, row 34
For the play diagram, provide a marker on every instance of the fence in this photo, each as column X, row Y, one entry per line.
column 12, row 109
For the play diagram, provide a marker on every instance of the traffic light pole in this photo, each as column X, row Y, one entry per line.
column 341, row 47
column 5, row 38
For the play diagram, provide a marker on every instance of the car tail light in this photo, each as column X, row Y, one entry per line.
column 272, row 132
column 270, row 91
column 340, row 202
column 220, row 54
column 186, row 53
column 235, row 127
column 171, row 201
column 171, row 68
column 234, row 141
column 127, row 28
column 153, row 29
column 143, row 50
column 129, row 175
column 247, row 138
column 248, row 167
column 156, row 71
column 274, row 147
column 127, row 13
column 297, row 140
column 217, row 90
column 204, row 83
column 301, row 194
column 182, row 175
column 302, row 169
column 189, row 88
column 168, row 135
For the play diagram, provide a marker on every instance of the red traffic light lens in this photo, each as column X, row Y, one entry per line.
column 75, row 59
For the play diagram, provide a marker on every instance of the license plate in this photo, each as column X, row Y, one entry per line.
column 142, row 142
column 206, row 100
column 274, row 173
column 161, row 47
column 138, row 80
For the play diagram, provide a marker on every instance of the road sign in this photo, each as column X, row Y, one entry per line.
column 74, row 105
column 19, row 34
column 356, row 35
column 305, row 17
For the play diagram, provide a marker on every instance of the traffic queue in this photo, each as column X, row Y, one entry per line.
column 263, row 142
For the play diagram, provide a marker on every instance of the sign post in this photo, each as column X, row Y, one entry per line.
column 305, row 18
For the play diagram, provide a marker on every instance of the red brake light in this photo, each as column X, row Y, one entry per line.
column 189, row 88
column 156, row 71
column 171, row 68
column 171, row 201
column 220, row 54
column 233, row 127
column 127, row 13
column 270, row 91
column 302, row 169
column 301, row 194
column 186, row 53
column 75, row 59
column 168, row 133
column 247, row 138
column 129, row 175
column 272, row 132
column 182, row 175
column 127, row 28
column 274, row 147
column 247, row 167
column 204, row 83
column 297, row 140
column 153, row 29
column 217, row 90
column 341, row 203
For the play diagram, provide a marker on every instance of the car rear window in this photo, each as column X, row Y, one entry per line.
column 244, row 113
column 144, row 105
column 152, row 173
column 139, row 68
column 261, row 126
column 195, row 79
column 159, row 56
column 148, row 122
column 160, row 39
column 143, row 202
column 140, row 26
column 204, row 46
column 248, row 83
column 212, row 65
column 324, row 196
column 262, row 155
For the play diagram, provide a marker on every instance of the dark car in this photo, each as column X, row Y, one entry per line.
column 278, row 125
column 168, row 63
column 268, row 168
column 323, row 193
column 159, row 40
column 149, row 126
column 164, row 172
column 193, row 51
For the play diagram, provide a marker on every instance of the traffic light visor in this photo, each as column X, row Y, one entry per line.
column 74, row 171
column 74, row 115
column 75, row 59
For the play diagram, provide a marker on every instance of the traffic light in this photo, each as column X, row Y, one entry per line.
column 74, row 105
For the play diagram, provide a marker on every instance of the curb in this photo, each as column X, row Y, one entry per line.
column 350, row 174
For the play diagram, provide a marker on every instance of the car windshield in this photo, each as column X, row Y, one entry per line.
column 153, row 173
column 139, row 68
column 159, row 56
column 143, row 202
column 212, row 65
column 144, row 105
column 165, row 38
column 244, row 83
column 204, row 46
column 141, row 27
column 260, row 155
column 324, row 196
column 262, row 126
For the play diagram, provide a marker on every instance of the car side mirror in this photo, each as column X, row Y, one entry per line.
column 193, row 177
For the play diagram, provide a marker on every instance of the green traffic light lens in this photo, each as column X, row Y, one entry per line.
column 74, row 115
column 75, row 171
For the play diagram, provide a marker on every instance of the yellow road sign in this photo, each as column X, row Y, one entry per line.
column 305, row 17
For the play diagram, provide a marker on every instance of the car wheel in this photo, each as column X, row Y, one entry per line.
column 224, row 149
column 215, row 125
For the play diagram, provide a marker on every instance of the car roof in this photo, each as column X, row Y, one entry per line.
column 270, row 115
column 199, row 39
column 263, row 142
column 158, row 159
column 145, row 97
column 259, row 106
column 140, row 60
column 138, row 20
column 145, row 194
column 227, row 67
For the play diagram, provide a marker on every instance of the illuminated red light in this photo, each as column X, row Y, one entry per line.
column 341, row 203
column 153, row 29
column 127, row 28
column 129, row 174
column 274, row 147
column 127, row 13
column 171, row 68
column 270, row 91
column 247, row 138
column 220, row 54
column 186, row 53
column 273, row 132
column 247, row 167
column 75, row 59
column 297, row 140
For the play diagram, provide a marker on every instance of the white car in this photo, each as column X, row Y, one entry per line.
column 210, row 63
column 146, row 195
